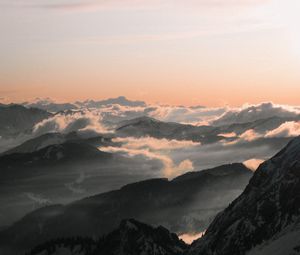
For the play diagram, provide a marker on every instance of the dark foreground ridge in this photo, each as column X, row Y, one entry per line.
column 130, row 238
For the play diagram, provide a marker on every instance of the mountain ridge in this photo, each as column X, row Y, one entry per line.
column 268, row 205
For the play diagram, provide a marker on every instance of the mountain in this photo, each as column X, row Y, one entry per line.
column 146, row 126
column 68, row 151
column 55, row 173
column 130, row 238
column 259, row 126
column 48, row 139
column 25, row 165
column 255, row 112
column 185, row 204
column 49, row 105
column 15, row 119
column 60, row 168
column 265, row 218
column 121, row 100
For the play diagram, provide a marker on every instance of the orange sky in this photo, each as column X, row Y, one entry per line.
column 201, row 52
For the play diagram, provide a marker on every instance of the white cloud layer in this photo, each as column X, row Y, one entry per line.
column 77, row 121
column 250, row 113
column 287, row 129
column 157, row 149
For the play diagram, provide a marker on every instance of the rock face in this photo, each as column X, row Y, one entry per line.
column 130, row 238
column 268, row 210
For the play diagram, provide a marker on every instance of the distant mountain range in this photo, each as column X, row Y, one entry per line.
column 146, row 126
column 53, row 179
column 48, row 139
column 121, row 100
column 51, row 106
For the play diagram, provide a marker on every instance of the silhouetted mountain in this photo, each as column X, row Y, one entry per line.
column 130, row 238
column 15, row 119
column 185, row 204
column 24, row 165
column 51, row 106
column 48, row 139
column 266, row 214
column 121, row 100
column 146, row 126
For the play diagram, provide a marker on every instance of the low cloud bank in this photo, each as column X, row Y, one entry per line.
column 76, row 121
column 39, row 200
column 253, row 163
column 187, row 115
column 76, row 186
column 154, row 143
column 250, row 113
column 287, row 129
column 157, row 149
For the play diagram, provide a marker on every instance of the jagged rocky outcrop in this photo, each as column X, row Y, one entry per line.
column 130, row 238
column 266, row 212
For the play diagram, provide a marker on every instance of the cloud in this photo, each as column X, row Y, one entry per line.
column 253, row 163
column 154, row 143
column 250, row 113
column 95, row 5
column 190, row 237
column 158, row 149
column 170, row 169
column 76, row 186
column 228, row 135
column 49, row 104
column 38, row 199
column 287, row 129
column 189, row 115
column 248, row 136
column 83, row 121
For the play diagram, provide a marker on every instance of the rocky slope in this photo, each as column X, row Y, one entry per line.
column 268, row 211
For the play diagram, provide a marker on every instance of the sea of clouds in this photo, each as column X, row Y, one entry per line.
column 267, row 126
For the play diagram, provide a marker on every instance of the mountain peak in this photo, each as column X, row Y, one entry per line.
column 269, row 204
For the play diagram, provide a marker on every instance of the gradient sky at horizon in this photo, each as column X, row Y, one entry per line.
column 208, row 52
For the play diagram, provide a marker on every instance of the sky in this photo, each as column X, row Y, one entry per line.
column 196, row 52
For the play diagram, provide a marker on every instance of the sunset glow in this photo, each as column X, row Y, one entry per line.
column 202, row 52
